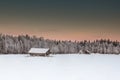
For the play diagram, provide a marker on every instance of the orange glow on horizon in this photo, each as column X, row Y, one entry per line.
column 63, row 36
column 78, row 35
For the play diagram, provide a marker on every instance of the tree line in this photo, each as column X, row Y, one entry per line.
column 21, row 45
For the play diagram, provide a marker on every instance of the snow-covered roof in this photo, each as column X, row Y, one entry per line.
column 38, row 50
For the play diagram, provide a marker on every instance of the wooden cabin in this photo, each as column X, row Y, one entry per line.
column 39, row 51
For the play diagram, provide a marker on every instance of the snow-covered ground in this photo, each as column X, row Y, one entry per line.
column 60, row 67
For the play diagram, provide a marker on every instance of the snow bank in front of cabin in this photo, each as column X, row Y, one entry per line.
column 60, row 67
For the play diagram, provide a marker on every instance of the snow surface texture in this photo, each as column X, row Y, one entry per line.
column 60, row 67
column 38, row 50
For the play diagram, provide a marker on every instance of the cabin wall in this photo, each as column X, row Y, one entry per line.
column 39, row 54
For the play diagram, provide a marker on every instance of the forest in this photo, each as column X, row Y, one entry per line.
column 21, row 44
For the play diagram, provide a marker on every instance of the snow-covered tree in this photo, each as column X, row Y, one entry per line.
column 22, row 44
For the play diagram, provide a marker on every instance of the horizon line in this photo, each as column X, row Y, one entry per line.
column 16, row 35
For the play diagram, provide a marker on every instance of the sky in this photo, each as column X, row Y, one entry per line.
column 61, row 19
